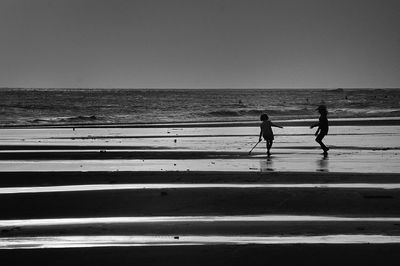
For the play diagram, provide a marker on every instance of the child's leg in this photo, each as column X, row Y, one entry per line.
column 269, row 145
column 319, row 140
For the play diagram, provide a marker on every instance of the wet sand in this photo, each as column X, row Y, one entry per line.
column 358, row 223
column 370, row 254
column 354, row 148
column 192, row 195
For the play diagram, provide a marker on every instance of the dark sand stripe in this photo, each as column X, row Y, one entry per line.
column 67, row 148
column 85, row 155
column 261, row 225
column 156, row 154
column 12, row 179
column 52, row 148
column 207, row 201
column 310, row 254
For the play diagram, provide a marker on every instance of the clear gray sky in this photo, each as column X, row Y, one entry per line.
column 200, row 43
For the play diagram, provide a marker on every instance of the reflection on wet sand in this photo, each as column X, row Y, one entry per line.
column 323, row 164
column 365, row 163
column 267, row 165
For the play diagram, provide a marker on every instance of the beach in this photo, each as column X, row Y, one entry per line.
column 199, row 132
column 178, row 192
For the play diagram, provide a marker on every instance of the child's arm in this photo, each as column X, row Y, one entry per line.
column 273, row 125
column 260, row 139
column 314, row 125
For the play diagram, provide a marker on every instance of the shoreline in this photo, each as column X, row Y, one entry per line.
column 366, row 121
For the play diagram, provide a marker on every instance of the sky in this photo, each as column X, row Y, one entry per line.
column 200, row 43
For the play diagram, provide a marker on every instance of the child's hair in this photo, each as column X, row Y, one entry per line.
column 263, row 117
column 322, row 110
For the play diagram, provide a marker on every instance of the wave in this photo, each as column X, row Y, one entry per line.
column 257, row 112
column 75, row 119
column 141, row 106
column 365, row 112
column 80, row 118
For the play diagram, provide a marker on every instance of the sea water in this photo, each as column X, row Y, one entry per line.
column 104, row 106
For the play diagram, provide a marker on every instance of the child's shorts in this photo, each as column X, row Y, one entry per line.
column 268, row 137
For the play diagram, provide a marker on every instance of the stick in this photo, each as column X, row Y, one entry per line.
column 254, row 147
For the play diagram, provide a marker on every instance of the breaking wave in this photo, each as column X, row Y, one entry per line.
column 75, row 119
column 256, row 112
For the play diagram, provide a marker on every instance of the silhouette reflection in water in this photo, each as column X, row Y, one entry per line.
column 267, row 165
column 323, row 164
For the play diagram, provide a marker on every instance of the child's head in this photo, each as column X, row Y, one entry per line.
column 264, row 117
column 322, row 110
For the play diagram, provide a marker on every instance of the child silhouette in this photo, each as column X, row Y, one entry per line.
column 266, row 131
column 323, row 127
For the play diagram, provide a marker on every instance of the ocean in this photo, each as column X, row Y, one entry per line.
column 109, row 106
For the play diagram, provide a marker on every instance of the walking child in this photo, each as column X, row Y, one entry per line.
column 323, row 127
column 266, row 131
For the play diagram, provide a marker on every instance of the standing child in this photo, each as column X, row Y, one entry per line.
column 323, row 127
column 266, row 131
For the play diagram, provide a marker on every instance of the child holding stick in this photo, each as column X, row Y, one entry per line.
column 266, row 131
